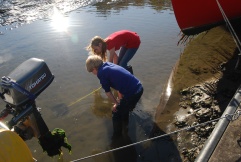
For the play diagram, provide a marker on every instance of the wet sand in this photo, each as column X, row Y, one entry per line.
column 200, row 61
column 208, row 59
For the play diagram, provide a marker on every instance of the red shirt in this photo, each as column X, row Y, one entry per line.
column 121, row 38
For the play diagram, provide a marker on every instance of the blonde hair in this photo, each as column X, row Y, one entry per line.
column 95, row 41
column 93, row 61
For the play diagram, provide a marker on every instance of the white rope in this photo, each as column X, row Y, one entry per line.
column 236, row 39
column 227, row 116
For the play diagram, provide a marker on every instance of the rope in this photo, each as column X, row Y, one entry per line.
column 229, row 117
column 71, row 104
column 236, row 39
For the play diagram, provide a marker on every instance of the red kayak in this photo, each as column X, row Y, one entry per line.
column 195, row 16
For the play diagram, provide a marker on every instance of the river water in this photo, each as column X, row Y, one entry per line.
column 58, row 33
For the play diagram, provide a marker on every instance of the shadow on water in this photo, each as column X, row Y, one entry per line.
column 160, row 148
column 142, row 141
column 155, row 150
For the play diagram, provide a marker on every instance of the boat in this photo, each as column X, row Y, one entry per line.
column 196, row 16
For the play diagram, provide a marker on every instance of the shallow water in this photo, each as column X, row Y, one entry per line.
column 72, row 101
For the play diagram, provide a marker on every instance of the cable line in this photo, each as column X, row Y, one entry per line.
column 230, row 117
column 235, row 37
column 71, row 104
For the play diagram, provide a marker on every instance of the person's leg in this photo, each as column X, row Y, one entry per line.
column 126, row 57
column 124, row 111
column 121, row 114
column 120, row 118
column 134, row 99
column 125, row 124
column 121, row 54
column 129, row 68
column 124, row 116
column 117, row 128
column 117, row 123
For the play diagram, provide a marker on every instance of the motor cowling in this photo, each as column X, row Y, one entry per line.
column 33, row 75
column 19, row 90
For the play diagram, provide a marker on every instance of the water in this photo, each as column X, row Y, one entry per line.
column 72, row 102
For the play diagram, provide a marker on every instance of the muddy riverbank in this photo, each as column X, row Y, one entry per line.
column 200, row 87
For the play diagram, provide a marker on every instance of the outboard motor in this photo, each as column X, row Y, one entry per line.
column 19, row 91
column 32, row 75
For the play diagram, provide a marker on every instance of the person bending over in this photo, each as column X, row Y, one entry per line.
column 118, row 78
column 126, row 41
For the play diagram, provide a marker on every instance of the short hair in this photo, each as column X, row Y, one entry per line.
column 93, row 61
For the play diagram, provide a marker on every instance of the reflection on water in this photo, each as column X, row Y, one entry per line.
column 166, row 93
column 59, row 22
column 87, row 122
column 59, row 110
column 22, row 12
column 101, row 106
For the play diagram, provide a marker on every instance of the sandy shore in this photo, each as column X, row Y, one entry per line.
column 203, row 82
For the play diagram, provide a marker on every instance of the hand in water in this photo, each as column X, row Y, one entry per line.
column 115, row 105
column 114, row 108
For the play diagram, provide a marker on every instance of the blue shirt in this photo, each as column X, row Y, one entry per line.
column 115, row 76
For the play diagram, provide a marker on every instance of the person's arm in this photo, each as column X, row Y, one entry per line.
column 113, row 99
column 119, row 95
column 113, row 56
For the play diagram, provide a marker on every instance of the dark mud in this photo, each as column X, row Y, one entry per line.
column 203, row 82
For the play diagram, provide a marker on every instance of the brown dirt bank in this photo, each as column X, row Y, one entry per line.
column 206, row 76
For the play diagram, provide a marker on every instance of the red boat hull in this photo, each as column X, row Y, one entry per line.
column 195, row 16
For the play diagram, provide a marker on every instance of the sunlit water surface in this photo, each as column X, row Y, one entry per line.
column 73, row 102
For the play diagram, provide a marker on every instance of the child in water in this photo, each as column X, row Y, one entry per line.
column 118, row 78
column 126, row 41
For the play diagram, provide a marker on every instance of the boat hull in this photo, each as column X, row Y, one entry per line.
column 195, row 16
